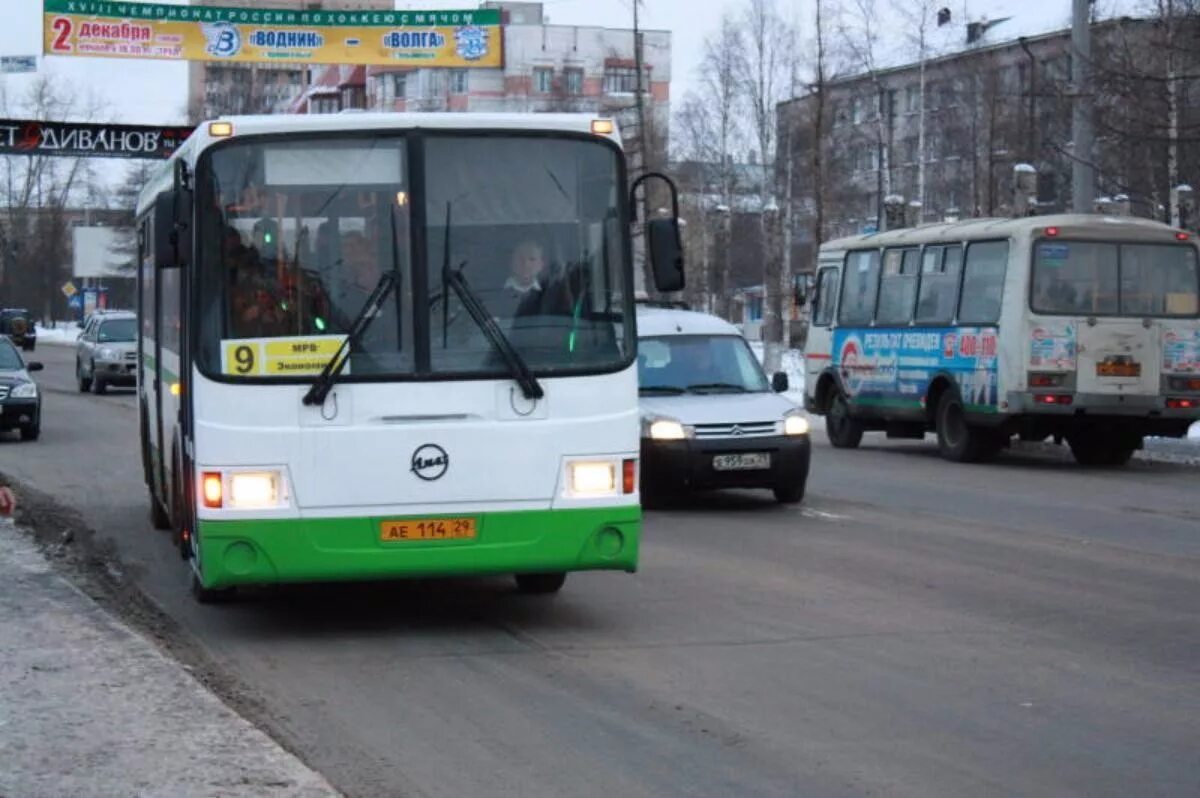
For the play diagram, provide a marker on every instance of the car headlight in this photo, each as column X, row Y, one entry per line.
column 664, row 429
column 795, row 424
column 26, row 390
column 108, row 353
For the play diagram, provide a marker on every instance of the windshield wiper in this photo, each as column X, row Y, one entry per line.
column 325, row 380
column 517, row 366
column 667, row 389
column 530, row 387
column 717, row 386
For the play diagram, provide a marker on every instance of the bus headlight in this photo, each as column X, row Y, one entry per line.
column 592, row 478
column 795, row 424
column 255, row 490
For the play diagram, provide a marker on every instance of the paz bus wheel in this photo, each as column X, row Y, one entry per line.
column 844, row 432
column 540, row 584
column 958, row 441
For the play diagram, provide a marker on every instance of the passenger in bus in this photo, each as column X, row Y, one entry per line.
column 533, row 288
column 259, row 302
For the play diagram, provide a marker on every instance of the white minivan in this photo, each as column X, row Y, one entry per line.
column 710, row 417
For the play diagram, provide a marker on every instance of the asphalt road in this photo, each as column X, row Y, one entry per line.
column 915, row 628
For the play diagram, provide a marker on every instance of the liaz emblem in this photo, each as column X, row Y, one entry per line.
column 430, row 462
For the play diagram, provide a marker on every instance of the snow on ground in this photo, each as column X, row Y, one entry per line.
column 63, row 332
column 1194, row 432
column 793, row 366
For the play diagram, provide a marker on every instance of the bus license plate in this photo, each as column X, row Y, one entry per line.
column 416, row 529
column 1108, row 368
column 742, row 462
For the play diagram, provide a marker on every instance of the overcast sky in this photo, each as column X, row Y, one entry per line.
column 153, row 92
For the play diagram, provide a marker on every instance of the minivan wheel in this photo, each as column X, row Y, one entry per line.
column 99, row 387
column 789, row 494
column 85, row 383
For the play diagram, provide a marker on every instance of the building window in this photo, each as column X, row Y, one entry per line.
column 912, row 99
column 353, row 97
column 908, row 150
column 458, row 81
column 324, row 105
column 623, row 79
column 399, row 85
column 858, row 110
column 574, row 80
column 543, row 80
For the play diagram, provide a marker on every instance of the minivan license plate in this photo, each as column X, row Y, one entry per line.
column 741, row 462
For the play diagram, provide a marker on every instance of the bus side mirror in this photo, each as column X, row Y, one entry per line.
column 166, row 238
column 666, row 254
column 800, row 289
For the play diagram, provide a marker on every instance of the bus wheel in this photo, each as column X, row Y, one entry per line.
column 158, row 516
column 210, row 595
column 843, row 431
column 540, row 583
column 958, row 441
column 1098, row 450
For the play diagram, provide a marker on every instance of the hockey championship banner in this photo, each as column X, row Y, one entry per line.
column 99, row 28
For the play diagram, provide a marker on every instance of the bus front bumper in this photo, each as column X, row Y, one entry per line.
column 245, row 552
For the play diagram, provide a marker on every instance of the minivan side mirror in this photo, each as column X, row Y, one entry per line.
column 666, row 254
column 779, row 382
column 34, row 366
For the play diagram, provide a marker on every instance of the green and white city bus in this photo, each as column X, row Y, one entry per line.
column 378, row 346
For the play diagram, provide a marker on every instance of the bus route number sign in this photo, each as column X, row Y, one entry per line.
column 278, row 357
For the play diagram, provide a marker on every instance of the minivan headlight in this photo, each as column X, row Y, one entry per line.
column 26, row 390
column 108, row 353
column 795, row 424
column 662, row 428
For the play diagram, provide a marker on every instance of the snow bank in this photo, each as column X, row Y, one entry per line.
column 793, row 366
column 1194, row 432
column 64, row 332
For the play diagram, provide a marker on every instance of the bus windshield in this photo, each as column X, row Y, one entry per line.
column 1089, row 278
column 299, row 231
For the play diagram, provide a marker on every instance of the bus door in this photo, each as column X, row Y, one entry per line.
column 818, row 346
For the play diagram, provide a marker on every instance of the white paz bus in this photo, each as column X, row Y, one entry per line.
column 1078, row 328
column 379, row 346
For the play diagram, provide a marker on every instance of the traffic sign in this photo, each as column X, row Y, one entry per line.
column 76, row 302
column 18, row 63
column 68, row 289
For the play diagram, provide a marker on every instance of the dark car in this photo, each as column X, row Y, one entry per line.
column 17, row 324
column 20, row 399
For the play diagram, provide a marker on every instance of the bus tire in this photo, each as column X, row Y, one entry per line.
column 1091, row 449
column 958, row 441
column 158, row 516
column 540, row 584
column 844, row 432
column 211, row 595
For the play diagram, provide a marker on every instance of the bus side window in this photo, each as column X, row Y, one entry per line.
column 826, row 297
column 937, row 295
column 860, row 287
column 983, row 282
column 898, row 287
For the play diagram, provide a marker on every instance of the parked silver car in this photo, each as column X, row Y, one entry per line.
column 106, row 353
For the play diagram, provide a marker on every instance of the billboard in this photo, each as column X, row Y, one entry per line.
column 85, row 139
column 467, row 38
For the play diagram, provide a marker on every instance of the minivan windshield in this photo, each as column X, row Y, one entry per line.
column 675, row 364
column 117, row 331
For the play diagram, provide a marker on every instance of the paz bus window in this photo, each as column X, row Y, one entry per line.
column 983, row 282
column 1077, row 278
column 1159, row 280
column 938, row 291
column 860, row 286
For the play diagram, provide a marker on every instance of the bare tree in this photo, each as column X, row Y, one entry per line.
column 710, row 131
column 38, row 189
column 125, row 244
column 860, row 35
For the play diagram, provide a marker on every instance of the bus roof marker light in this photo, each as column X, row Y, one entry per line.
column 1181, row 236
column 1052, row 231
column 602, row 127
column 220, row 130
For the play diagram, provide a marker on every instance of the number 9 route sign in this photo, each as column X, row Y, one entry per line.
column 467, row 38
column 279, row 357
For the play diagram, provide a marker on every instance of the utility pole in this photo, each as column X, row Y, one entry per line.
column 1083, row 172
